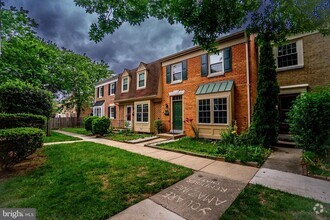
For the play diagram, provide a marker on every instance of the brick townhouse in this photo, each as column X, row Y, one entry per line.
column 104, row 104
column 138, row 96
column 303, row 63
column 211, row 89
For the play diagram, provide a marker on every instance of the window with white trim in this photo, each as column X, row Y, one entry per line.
column 204, row 111
column 142, row 113
column 213, row 111
column 124, row 84
column 290, row 55
column 101, row 91
column 287, row 55
column 176, row 72
column 220, row 111
column 112, row 88
column 141, row 80
column 112, row 112
column 97, row 111
column 216, row 63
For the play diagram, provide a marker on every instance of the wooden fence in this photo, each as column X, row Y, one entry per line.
column 72, row 122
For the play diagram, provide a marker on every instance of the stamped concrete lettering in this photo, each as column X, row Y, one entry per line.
column 200, row 196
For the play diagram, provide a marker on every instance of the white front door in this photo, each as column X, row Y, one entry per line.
column 128, row 118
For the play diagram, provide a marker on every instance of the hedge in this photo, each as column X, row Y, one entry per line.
column 19, row 97
column 101, row 125
column 22, row 120
column 88, row 123
column 16, row 144
column 310, row 119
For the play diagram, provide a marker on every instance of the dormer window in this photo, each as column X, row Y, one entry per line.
column 125, row 82
column 141, row 80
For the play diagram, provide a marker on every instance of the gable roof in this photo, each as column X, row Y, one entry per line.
column 153, row 71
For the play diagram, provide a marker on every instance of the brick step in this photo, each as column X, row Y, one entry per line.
column 170, row 136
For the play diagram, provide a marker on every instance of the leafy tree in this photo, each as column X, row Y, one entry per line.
column 15, row 22
column 271, row 20
column 19, row 97
column 31, row 60
column 28, row 58
column 77, row 75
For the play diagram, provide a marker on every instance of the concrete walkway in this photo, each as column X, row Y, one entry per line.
column 228, row 170
column 285, row 159
column 293, row 183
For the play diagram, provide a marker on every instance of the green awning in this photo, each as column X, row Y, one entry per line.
column 214, row 87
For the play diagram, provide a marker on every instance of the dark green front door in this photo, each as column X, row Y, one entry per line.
column 177, row 115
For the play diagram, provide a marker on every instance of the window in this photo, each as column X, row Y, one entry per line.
column 97, row 111
column 125, row 84
column 287, row 55
column 100, row 91
column 290, row 55
column 213, row 111
column 220, row 111
column 204, row 113
column 112, row 112
column 141, row 82
column 112, row 88
column 177, row 72
column 216, row 63
column 142, row 113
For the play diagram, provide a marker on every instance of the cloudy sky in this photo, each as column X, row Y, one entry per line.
column 66, row 24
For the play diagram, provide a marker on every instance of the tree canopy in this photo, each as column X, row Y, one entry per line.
column 30, row 59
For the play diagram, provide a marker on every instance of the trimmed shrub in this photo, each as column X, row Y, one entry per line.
column 19, row 97
column 101, row 125
column 158, row 125
column 309, row 121
column 22, row 120
column 88, row 122
column 16, row 144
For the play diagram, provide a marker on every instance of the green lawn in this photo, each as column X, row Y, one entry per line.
column 215, row 148
column 57, row 137
column 88, row 181
column 258, row 202
column 129, row 137
column 201, row 146
column 77, row 131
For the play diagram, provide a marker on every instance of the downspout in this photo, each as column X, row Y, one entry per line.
column 248, row 78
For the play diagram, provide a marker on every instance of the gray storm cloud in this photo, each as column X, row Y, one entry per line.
column 67, row 25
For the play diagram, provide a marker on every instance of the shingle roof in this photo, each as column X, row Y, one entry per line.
column 152, row 84
column 214, row 87
column 107, row 80
column 98, row 103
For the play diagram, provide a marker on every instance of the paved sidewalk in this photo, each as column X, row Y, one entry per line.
column 228, row 170
column 293, row 183
column 62, row 142
column 285, row 159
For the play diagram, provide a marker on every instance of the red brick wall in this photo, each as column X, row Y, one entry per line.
column 190, row 86
column 108, row 100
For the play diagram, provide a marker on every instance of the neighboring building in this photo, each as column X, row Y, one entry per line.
column 139, row 95
column 212, row 89
column 104, row 104
column 302, row 64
